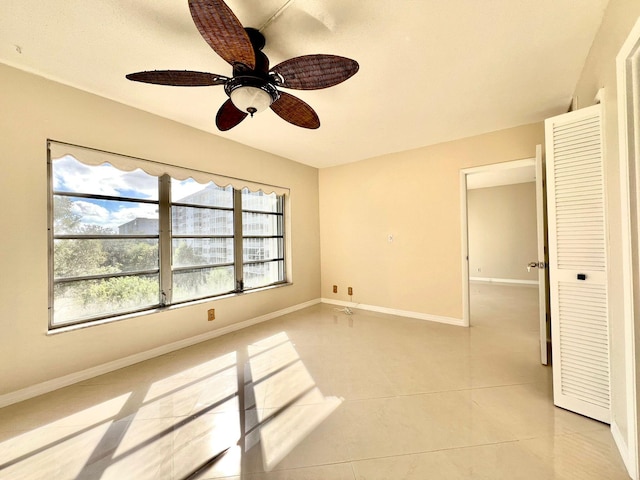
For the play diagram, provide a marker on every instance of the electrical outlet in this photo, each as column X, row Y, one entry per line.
column 350, row 291
column 335, row 289
column 211, row 314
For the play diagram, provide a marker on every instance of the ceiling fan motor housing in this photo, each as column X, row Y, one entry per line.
column 248, row 86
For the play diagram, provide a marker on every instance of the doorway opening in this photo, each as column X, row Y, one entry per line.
column 502, row 255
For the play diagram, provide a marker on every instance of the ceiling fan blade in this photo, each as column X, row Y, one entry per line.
column 312, row 72
column 178, row 78
column 229, row 116
column 295, row 111
column 222, row 30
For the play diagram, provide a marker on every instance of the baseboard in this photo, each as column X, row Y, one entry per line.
column 401, row 313
column 505, row 281
column 66, row 380
column 623, row 448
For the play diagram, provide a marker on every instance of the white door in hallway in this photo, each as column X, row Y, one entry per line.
column 577, row 262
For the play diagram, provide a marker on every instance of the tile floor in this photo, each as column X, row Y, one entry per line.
column 320, row 395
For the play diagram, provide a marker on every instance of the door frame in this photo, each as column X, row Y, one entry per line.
column 494, row 167
column 629, row 151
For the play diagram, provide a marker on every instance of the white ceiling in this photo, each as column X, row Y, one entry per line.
column 430, row 70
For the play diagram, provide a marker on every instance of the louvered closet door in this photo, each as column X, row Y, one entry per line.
column 577, row 263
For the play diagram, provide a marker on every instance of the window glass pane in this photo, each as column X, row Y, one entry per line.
column 90, row 216
column 261, row 224
column 192, row 284
column 70, row 175
column 94, row 298
column 261, row 201
column 188, row 252
column 81, row 257
column 263, row 274
column 256, row 249
column 201, row 221
column 194, row 193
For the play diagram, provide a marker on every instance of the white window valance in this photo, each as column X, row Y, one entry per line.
column 90, row 156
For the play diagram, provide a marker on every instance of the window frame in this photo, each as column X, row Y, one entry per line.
column 280, row 216
column 173, row 236
column 165, row 238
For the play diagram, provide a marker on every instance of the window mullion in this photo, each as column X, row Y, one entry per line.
column 164, row 215
column 237, row 239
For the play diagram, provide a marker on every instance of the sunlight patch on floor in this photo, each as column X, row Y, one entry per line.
column 289, row 406
column 61, row 447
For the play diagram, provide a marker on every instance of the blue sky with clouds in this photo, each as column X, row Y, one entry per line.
column 70, row 175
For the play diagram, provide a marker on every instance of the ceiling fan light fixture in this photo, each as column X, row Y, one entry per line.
column 250, row 99
column 251, row 94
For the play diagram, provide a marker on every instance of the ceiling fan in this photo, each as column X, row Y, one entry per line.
column 254, row 86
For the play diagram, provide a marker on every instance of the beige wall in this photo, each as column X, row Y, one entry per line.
column 34, row 109
column 502, row 231
column 414, row 196
column 599, row 71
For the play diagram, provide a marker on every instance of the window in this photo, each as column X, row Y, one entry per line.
column 202, row 240
column 128, row 235
column 262, row 238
